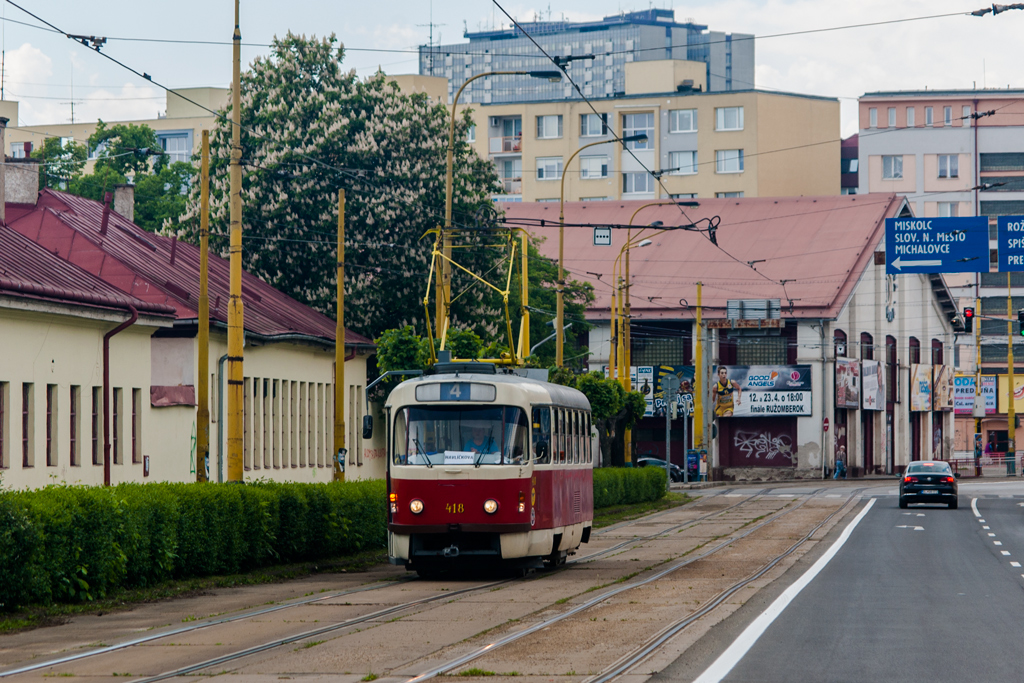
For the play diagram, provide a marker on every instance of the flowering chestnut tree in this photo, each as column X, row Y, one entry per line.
column 309, row 128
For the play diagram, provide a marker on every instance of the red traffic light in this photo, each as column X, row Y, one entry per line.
column 968, row 313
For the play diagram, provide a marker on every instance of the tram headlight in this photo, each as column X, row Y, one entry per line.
column 490, row 506
column 416, row 506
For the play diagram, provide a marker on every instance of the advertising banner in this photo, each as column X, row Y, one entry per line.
column 847, row 383
column 1018, row 393
column 942, row 388
column 872, row 390
column 963, row 394
column 684, row 398
column 761, row 390
column 920, row 387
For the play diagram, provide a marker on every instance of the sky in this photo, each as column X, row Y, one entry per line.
column 45, row 71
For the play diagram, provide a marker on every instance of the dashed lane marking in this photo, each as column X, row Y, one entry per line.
column 990, row 534
column 1015, row 564
column 997, row 542
column 1005, row 552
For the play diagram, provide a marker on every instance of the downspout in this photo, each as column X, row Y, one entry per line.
column 106, row 390
column 821, row 328
column 220, row 418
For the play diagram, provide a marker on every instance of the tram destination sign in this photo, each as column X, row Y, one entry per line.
column 937, row 245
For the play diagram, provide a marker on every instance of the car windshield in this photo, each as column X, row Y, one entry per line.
column 926, row 467
column 460, row 435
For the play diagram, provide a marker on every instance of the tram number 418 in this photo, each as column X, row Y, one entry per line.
column 454, row 508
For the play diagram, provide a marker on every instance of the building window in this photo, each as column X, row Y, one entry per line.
column 593, row 199
column 116, row 413
column 176, row 147
column 761, row 350
column 929, row 116
column 682, row 163
column 684, row 195
column 634, row 183
column 892, row 117
column 682, row 121
column 74, row 410
column 51, row 425
column 949, row 166
column 947, row 116
column 593, row 167
column 949, row 209
column 728, row 195
column 892, row 168
column 471, row 134
column 850, row 165
column 136, row 426
column 97, row 401
column 18, row 150
column 910, row 117
column 729, row 161
column 5, row 458
column 872, row 118
column 966, row 111
column 848, row 190
column 549, row 127
column 729, row 118
column 27, row 426
column 639, row 124
column 593, row 125
column 549, row 168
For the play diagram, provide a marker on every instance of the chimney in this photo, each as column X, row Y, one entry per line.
column 124, row 200
column 3, row 169
column 21, row 180
column 106, row 213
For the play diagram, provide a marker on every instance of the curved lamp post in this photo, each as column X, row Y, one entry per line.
column 560, row 304
column 444, row 268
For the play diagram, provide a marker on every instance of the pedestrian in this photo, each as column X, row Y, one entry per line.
column 703, row 467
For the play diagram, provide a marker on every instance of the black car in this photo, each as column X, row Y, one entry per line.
column 676, row 470
column 931, row 481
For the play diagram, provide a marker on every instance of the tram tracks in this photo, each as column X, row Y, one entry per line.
column 354, row 621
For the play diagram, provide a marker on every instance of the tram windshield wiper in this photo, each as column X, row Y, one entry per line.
column 426, row 456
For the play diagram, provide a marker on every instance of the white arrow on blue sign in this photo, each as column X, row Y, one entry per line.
column 936, row 245
column 1011, row 243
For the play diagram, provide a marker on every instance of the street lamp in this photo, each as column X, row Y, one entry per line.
column 560, row 304
column 443, row 287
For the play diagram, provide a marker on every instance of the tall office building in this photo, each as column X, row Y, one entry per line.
column 614, row 41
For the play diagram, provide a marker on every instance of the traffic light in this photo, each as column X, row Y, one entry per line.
column 1020, row 322
column 968, row 320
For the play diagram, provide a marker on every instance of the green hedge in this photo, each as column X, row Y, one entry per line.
column 74, row 543
column 622, row 486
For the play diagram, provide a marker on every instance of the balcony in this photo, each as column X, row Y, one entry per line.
column 512, row 185
column 506, row 145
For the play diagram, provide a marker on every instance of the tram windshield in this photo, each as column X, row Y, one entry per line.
column 460, row 435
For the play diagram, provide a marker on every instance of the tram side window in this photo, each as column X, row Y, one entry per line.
column 542, row 435
column 575, row 437
column 560, row 436
column 588, row 442
column 399, row 447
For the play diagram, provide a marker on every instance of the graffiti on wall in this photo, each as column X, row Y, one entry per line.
column 762, row 445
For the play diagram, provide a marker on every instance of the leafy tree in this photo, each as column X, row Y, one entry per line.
column 95, row 185
column 162, row 196
column 464, row 343
column 614, row 410
column 310, row 128
column 63, row 160
column 127, row 148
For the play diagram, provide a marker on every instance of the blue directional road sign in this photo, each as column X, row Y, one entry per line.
column 936, row 245
column 1011, row 243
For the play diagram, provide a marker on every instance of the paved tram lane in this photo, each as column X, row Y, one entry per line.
column 914, row 595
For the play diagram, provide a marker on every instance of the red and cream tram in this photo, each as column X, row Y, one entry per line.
column 486, row 468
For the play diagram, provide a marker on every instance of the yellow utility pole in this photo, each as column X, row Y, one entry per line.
column 339, row 351
column 236, row 328
column 698, row 375
column 1011, row 417
column 203, row 418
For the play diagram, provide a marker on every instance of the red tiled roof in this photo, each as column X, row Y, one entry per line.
column 138, row 263
column 819, row 246
column 30, row 271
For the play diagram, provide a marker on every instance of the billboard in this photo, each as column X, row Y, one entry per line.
column 963, row 394
column 872, row 385
column 685, row 375
column 920, row 387
column 761, row 390
column 847, row 383
column 942, row 388
column 1018, row 393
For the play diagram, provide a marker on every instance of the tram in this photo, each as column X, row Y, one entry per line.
column 486, row 469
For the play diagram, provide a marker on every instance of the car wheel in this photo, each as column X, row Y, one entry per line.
column 903, row 503
column 954, row 505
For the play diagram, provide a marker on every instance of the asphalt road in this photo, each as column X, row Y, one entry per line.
column 925, row 594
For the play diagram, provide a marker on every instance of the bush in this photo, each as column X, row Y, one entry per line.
column 76, row 543
column 622, row 486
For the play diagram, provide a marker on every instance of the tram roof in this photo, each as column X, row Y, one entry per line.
column 537, row 391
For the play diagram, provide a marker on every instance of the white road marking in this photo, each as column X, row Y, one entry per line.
column 997, row 542
column 974, row 507
column 735, row 652
column 1015, row 564
column 990, row 534
column 910, row 526
column 1005, row 552
column 982, row 521
column 831, row 495
column 986, row 527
